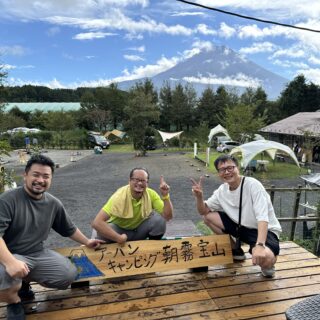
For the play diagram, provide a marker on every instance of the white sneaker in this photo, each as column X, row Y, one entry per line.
column 268, row 273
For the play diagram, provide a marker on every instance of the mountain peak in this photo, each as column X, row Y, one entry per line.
column 220, row 65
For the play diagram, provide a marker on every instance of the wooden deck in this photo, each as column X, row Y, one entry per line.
column 235, row 291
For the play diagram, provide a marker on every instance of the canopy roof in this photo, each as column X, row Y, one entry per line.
column 251, row 149
column 218, row 129
column 169, row 135
column 312, row 178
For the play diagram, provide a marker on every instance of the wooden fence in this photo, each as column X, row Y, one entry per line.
column 295, row 218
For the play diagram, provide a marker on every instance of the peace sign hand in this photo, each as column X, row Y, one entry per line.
column 197, row 187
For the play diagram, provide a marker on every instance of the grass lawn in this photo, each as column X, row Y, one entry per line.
column 276, row 170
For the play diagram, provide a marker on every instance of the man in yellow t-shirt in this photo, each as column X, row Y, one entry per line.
column 134, row 212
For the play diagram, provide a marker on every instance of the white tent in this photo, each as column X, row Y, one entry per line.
column 251, row 149
column 169, row 135
column 218, row 129
column 312, row 178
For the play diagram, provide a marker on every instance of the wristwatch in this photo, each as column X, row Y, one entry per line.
column 260, row 244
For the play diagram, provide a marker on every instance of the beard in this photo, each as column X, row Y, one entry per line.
column 36, row 189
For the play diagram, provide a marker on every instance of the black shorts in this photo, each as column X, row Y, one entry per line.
column 249, row 236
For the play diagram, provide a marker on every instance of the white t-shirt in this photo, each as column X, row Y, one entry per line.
column 256, row 205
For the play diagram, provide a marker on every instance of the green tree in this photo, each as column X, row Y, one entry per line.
column 3, row 76
column 140, row 111
column 116, row 101
column 207, row 108
column 190, row 108
column 241, row 122
column 179, row 106
column 10, row 121
column 165, row 105
column 293, row 98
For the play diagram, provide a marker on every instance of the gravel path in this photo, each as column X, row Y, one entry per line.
column 85, row 185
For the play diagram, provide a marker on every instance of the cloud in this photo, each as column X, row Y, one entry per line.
column 139, row 49
column 92, row 35
column 13, row 51
column 258, row 47
column 314, row 60
column 292, row 52
column 131, row 36
column 187, row 13
column 311, row 74
column 116, row 20
column 36, row 10
column 290, row 64
column 53, row 31
column 276, row 9
column 53, row 84
column 226, row 31
column 239, row 80
column 7, row 67
column 133, row 57
column 203, row 29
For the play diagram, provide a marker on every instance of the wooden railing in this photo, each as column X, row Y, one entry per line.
column 295, row 217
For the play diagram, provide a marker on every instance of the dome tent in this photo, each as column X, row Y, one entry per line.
column 218, row 129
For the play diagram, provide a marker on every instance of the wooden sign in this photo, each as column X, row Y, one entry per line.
column 145, row 256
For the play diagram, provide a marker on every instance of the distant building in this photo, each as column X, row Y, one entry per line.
column 44, row 106
column 292, row 131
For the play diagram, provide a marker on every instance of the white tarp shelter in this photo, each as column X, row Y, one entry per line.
column 169, row 135
column 312, row 178
column 218, row 129
column 251, row 149
column 119, row 134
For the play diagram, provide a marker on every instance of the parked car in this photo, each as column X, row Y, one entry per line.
column 98, row 140
column 227, row 146
column 150, row 143
column 217, row 140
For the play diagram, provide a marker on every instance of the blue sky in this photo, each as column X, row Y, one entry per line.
column 71, row 43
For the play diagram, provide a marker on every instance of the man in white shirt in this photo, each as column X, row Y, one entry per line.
column 259, row 225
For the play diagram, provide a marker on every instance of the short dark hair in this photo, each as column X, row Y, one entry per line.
column 224, row 158
column 139, row 168
column 39, row 159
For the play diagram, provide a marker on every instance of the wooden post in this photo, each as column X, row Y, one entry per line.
column 316, row 248
column 195, row 149
column 295, row 212
column 272, row 193
column 208, row 157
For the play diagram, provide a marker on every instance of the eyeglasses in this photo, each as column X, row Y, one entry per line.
column 226, row 169
column 137, row 180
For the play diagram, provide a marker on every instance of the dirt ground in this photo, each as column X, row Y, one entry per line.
column 85, row 183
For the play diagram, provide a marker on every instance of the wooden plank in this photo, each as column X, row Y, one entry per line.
column 247, row 312
column 263, row 286
column 139, row 257
column 214, row 282
column 226, row 291
column 264, row 297
column 116, row 296
column 273, row 317
column 167, row 312
column 120, row 307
